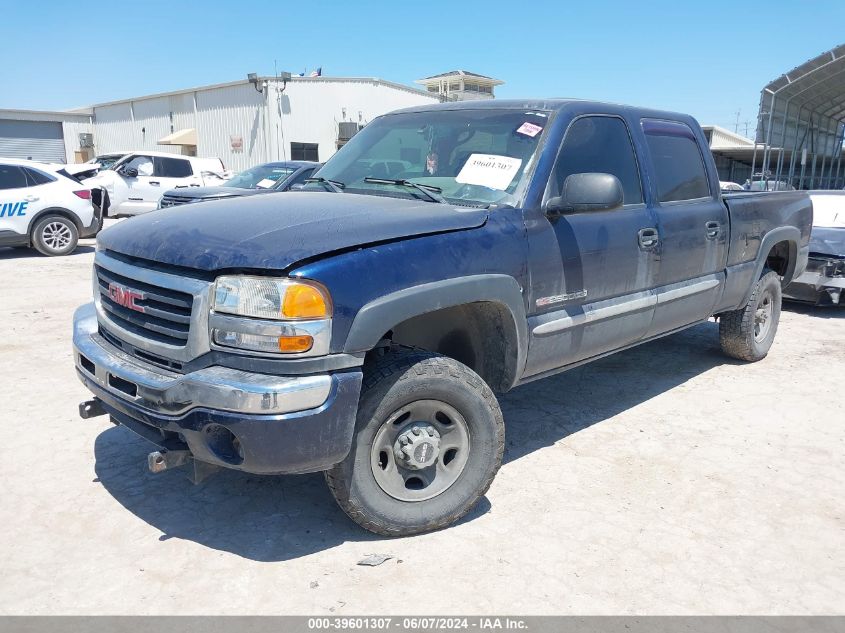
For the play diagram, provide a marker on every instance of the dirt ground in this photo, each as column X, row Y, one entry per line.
column 663, row 480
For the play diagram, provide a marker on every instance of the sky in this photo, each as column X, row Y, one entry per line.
column 708, row 59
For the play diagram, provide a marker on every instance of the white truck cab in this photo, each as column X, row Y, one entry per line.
column 136, row 182
column 44, row 208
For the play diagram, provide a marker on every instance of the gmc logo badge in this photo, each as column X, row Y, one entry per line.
column 126, row 297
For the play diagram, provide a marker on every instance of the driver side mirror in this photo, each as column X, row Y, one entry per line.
column 583, row 193
column 129, row 172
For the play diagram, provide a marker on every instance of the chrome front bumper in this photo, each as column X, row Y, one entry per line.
column 171, row 393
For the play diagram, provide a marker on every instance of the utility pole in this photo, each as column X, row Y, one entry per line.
column 736, row 125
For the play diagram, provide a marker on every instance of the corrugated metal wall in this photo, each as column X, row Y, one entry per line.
column 307, row 112
column 310, row 110
column 232, row 111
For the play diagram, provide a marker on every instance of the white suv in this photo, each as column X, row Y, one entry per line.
column 44, row 208
column 136, row 182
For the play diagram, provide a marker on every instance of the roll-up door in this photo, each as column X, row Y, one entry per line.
column 36, row 140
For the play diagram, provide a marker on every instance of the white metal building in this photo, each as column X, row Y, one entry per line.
column 250, row 122
column 46, row 136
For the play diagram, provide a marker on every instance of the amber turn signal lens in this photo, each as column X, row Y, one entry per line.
column 304, row 302
column 291, row 344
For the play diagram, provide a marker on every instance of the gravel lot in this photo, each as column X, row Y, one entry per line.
column 666, row 479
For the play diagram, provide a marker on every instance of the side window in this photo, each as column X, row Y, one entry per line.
column 599, row 144
column 144, row 165
column 36, row 177
column 12, row 177
column 678, row 165
column 301, row 177
column 172, row 167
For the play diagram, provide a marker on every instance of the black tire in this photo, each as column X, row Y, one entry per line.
column 55, row 235
column 404, row 378
column 742, row 334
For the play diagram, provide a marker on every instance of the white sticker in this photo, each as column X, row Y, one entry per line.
column 265, row 183
column 529, row 129
column 489, row 170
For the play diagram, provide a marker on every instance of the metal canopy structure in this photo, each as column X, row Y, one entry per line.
column 801, row 125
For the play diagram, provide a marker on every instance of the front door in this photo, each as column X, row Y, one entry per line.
column 15, row 200
column 156, row 174
column 136, row 188
column 692, row 224
column 600, row 299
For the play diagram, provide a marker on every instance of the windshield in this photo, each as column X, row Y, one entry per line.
column 469, row 157
column 261, row 177
column 107, row 162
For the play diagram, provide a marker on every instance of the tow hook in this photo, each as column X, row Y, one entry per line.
column 91, row 409
column 159, row 461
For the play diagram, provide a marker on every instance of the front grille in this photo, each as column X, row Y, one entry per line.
column 166, row 316
column 172, row 200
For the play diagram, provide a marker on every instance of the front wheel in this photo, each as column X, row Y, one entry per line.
column 55, row 235
column 748, row 333
column 429, row 439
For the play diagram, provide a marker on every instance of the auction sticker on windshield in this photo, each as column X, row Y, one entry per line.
column 489, row 170
column 529, row 129
column 265, row 183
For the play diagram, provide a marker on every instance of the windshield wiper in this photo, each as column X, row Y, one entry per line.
column 332, row 185
column 430, row 191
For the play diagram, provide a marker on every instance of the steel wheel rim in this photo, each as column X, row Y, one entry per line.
column 763, row 317
column 56, row 236
column 398, row 476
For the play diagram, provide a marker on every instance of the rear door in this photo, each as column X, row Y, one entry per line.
column 692, row 226
column 602, row 300
column 172, row 173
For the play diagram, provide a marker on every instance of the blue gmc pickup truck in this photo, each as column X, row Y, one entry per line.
column 362, row 326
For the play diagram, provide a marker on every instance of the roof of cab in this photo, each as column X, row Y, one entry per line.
column 550, row 105
column 31, row 163
column 291, row 163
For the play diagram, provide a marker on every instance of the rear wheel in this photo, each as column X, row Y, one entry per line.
column 55, row 235
column 748, row 333
column 429, row 439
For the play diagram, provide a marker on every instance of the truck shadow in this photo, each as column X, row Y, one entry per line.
column 544, row 412
column 7, row 252
column 281, row 518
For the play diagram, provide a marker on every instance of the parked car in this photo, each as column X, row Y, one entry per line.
column 279, row 176
column 768, row 185
column 362, row 326
column 91, row 168
column 730, row 186
column 136, row 182
column 823, row 282
column 45, row 209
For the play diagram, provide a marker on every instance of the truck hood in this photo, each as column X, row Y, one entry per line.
column 274, row 232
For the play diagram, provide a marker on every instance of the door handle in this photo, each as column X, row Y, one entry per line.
column 155, row 182
column 32, row 198
column 712, row 230
column 647, row 238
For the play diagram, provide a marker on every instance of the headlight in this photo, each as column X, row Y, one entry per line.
column 296, row 315
column 267, row 298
